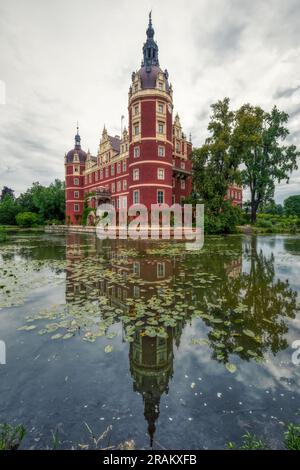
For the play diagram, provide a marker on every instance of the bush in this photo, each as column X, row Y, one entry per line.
column 27, row 219
column 223, row 222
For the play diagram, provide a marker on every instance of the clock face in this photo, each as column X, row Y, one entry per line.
column 169, row 108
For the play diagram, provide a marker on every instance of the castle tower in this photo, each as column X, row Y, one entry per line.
column 150, row 130
column 74, row 168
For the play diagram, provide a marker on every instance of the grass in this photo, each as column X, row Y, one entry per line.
column 11, row 436
column 292, row 437
column 252, row 442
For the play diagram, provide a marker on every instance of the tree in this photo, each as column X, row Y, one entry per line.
column 257, row 139
column 272, row 208
column 8, row 210
column 292, row 205
column 6, row 191
column 27, row 219
column 215, row 165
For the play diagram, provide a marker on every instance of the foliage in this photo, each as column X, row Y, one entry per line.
column 47, row 202
column 11, row 436
column 292, row 437
column 271, row 208
column 257, row 139
column 6, row 192
column 269, row 223
column 250, row 442
column 27, row 219
column 223, row 222
column 292, row 205
column 9, row 208
column 215, row 166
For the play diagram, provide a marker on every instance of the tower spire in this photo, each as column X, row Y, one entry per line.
column 77, row 138
column 150, row 49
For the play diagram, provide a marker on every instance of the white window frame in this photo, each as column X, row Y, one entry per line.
column 160, row 174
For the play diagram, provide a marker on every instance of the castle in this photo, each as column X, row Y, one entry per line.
column 149, row 164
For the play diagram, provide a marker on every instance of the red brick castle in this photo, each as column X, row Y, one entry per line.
column 149, row 164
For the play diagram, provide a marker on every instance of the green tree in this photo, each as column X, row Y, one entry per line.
column 9, row 208
column 292, row 205
column 215, row 167
column 27, row 219
column 272, row 208
column 258, row 138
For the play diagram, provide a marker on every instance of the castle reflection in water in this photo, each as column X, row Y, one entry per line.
column 150, row 359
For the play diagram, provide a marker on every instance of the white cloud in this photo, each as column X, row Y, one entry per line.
column 64, row 61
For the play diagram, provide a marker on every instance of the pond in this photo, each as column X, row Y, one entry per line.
column 168, row 348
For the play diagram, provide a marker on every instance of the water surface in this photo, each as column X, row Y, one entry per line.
column 173, row 349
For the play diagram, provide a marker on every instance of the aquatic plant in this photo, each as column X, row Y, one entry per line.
column 11, row 436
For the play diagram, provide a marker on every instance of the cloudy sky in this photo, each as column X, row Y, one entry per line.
column 68, row 60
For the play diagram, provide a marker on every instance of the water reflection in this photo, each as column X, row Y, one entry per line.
column 229, row 288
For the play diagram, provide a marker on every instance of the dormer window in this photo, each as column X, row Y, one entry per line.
column 160, row 85
column 76, row 157
column 136, row 87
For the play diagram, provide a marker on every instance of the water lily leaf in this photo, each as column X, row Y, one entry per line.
column 109, row 348
column 27, row 328
column 57, row 336
column 249, row 333
column 68, row 335
column 230, row 367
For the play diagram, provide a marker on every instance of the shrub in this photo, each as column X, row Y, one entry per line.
column 27, row 219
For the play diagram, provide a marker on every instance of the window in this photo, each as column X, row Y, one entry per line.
column 161, row 127
column 118, row 167
column 76, row 207
column 161, row 151
column 118, row 203
column 124, row 202
column 90, row 178
column 76, row 181
column 76, row 194
column 124, row 185
column 96, row 175
column 136, row 152
column 160, row 270
column 177, row 147
column 136, row 267
column 76, row 157
column 173, row 199
column 106, row 172
column 136, row 129
column 136, row 87
column 160, row 197
column 124, row 165
column 182, row 165
column 119, row 186
column 112, row 170
column 76, row 169
column 101, row 174
column 136, row 109
column 160, row 174
column 160, row 85
column 160, row 108
column 136, row 174
column 182, row 184
column 113, row 187
column 136, row 197
column 136, row 292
